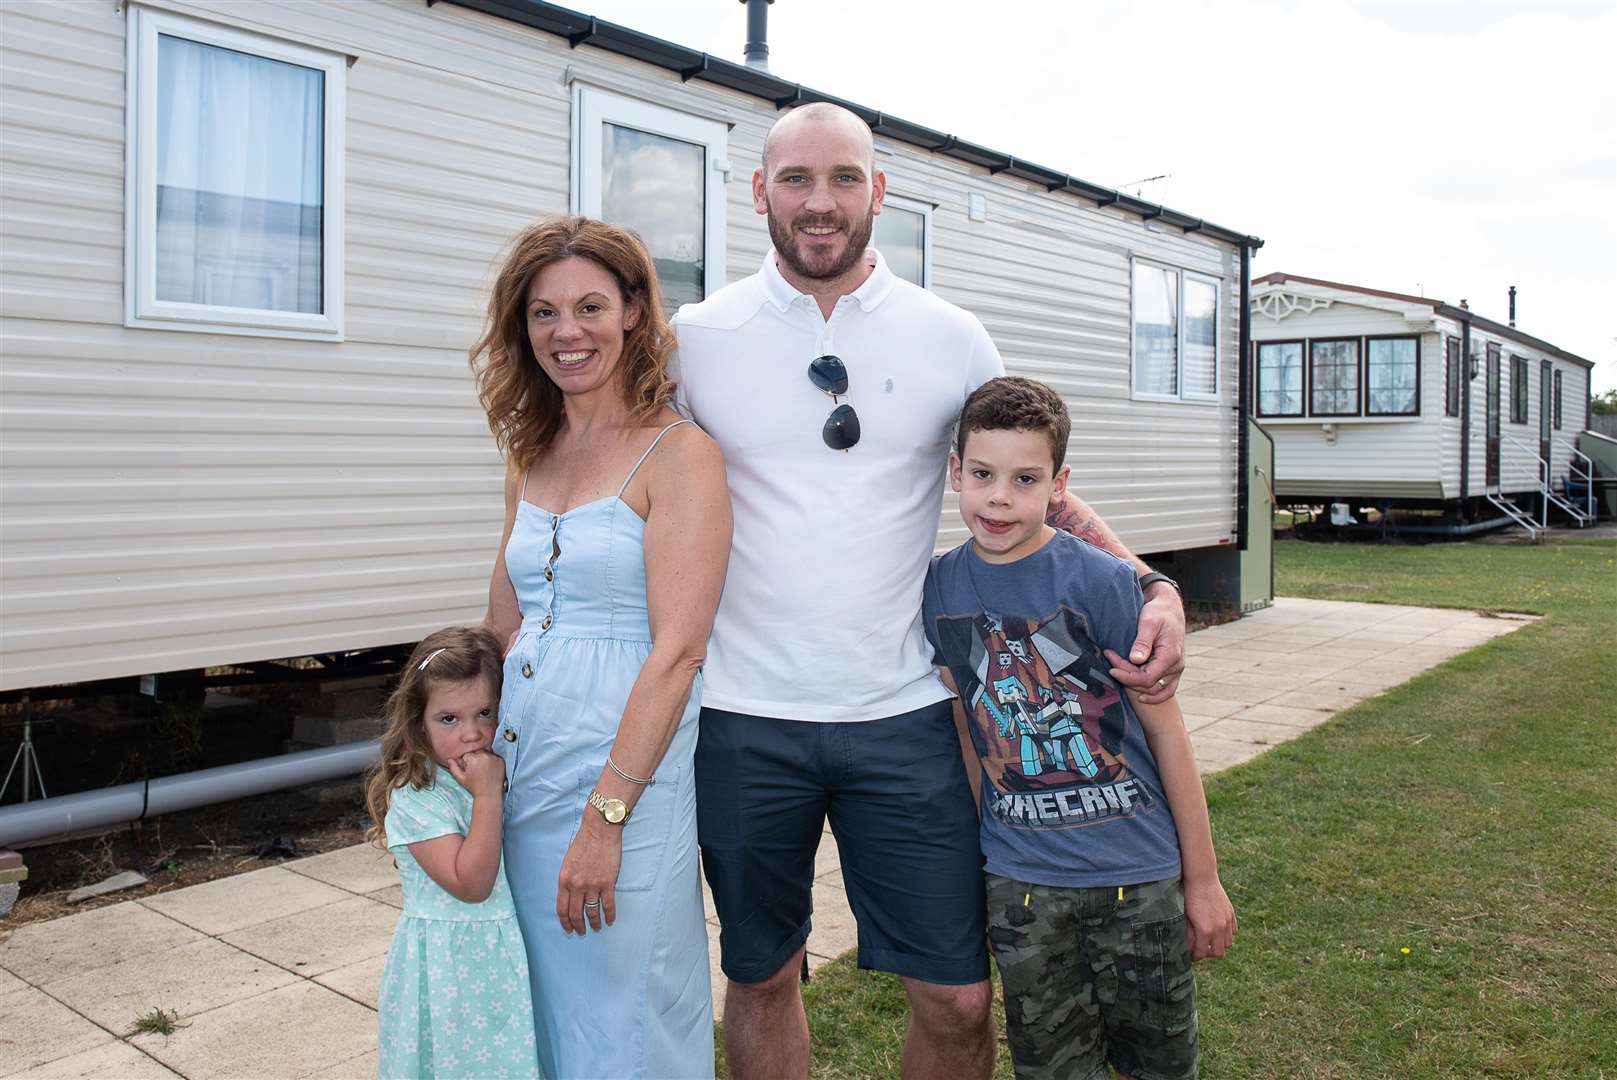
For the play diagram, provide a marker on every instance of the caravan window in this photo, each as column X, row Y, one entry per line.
column 1333, row 376
column 659, row 172
column 1392, row 376
column 1173, row 334
column 1558, row 401
column 1280, row 378
column 1451, row 377
column 903, row 235
column 234, row 201
column 1518, row 390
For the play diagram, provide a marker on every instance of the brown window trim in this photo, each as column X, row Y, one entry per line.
column 1520, row 392
column 1556, row 379
column 1257, row 376
column 1368, row 411
column 1358, row 388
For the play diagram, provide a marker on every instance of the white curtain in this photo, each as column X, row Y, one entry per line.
column 240, row 162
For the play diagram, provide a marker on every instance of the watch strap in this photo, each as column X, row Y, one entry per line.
column 599, row 801
column 1148, row 580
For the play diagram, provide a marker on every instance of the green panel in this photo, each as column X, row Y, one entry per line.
column 1258, row 560
column 1602, row 450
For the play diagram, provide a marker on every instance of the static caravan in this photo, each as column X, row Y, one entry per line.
column 1377, row 398
column 247, row 248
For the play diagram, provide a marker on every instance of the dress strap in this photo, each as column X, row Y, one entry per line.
column 523, row 494
column 625, row 485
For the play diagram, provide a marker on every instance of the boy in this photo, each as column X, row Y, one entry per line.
column 1092, row 808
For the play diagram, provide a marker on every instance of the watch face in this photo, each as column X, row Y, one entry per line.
column 615, row 811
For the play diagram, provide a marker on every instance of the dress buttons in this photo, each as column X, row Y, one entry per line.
column 510, row 736
column 549, row 574
column 527, row 673
column 546, row 624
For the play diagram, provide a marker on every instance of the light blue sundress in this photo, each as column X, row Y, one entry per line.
column 632, row 1001
column 454, row 1000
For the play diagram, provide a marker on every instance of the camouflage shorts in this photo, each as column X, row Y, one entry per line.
column 1092, row 980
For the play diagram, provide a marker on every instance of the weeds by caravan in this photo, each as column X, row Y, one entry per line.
column 1378, row 398
column 247, row 247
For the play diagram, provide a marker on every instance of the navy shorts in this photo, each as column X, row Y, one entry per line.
column 896, row 794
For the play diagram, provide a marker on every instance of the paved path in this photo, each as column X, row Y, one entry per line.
column 274, row 972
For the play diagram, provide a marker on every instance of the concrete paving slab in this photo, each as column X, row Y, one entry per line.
column 1242, row 692
column 356, row 929
column 113, row 1059
column 392, row 896
column 192, row 978
column 10, row 982
column 1196, row 723
column 359, row 981
column 35, row 1029
column 290, row 1032
column 1214, row 707
column 44, row 951
column 1213, row 753
column 828, row 860
column 834, row 931
column 361, row 1068
column 1233, row 729
column 715, row 973
column 358, row 869
column 1289, row 716
column 235, row 903
column 1330, row 700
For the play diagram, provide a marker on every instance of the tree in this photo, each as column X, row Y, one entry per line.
column 1605, row 404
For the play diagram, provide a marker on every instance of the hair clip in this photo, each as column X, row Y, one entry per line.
column 423, row 665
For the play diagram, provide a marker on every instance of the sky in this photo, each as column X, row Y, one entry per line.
column 1446, row 148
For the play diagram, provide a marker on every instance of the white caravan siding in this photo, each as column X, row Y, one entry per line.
column 177, row 500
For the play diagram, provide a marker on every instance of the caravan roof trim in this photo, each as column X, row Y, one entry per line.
column 1280, row 277
column 580, row 29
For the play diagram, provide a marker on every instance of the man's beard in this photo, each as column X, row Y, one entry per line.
column 784, row 239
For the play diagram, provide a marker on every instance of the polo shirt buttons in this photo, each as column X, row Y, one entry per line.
column 527, row 673
column 546, row 624
column 510, row 736
column 550, row 575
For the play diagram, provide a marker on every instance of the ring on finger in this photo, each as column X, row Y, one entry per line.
column 595, row 903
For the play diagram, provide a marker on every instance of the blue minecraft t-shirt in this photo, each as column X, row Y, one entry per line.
column 1070, row 791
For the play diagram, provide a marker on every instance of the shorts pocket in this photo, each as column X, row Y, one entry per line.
column 645, row 837
column 1166, row 983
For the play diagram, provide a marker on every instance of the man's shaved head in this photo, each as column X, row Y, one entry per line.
column 820, row 113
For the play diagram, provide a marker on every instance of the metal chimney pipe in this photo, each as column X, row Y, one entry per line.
column 1513, row 305
column 757, row 54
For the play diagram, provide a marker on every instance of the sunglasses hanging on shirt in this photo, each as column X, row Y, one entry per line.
column 841, row 429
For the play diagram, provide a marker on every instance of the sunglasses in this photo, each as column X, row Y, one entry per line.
column 841, row 429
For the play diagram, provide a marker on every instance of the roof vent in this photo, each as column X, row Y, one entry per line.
column 1513, row 306
column 757, row 54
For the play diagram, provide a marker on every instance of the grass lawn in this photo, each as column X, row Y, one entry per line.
column 1466, row 816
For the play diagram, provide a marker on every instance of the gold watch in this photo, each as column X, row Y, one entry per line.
column 615, row 811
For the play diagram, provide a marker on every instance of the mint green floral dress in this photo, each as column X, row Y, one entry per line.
column 454, row 1000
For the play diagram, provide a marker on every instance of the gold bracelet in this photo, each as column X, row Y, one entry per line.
column 652, row 779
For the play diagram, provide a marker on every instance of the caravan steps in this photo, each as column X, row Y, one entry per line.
column 1518, row 515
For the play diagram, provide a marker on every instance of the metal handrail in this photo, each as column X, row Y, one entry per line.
column 1543, row 477
column 1589, row 481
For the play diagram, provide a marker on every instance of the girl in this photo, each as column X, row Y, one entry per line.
column 454, row 999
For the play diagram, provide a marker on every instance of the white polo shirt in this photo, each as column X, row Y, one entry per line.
column 821, row 613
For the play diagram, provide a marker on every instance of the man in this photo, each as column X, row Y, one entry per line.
column 819, row 698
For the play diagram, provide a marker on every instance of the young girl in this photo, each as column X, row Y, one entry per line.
column 454, row 999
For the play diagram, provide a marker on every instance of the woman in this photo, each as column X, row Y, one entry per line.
column 617, row 533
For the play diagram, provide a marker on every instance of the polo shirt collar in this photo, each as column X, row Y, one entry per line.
column 782, row 293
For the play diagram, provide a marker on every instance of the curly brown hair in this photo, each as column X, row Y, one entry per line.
column 524, row 407
column 451, row 655
column 1012, row 403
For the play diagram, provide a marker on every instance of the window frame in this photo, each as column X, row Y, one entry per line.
column 1359, row 367
column 1365, row 360
column 1451, row 376
column 1182, row 397
column 923, row 208
column 1556, row 380
column 142, row 309
column 594, row 107
column 1521, row 393
column 1257, row 378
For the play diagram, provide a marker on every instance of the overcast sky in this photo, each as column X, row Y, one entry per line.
column 1452, row 147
